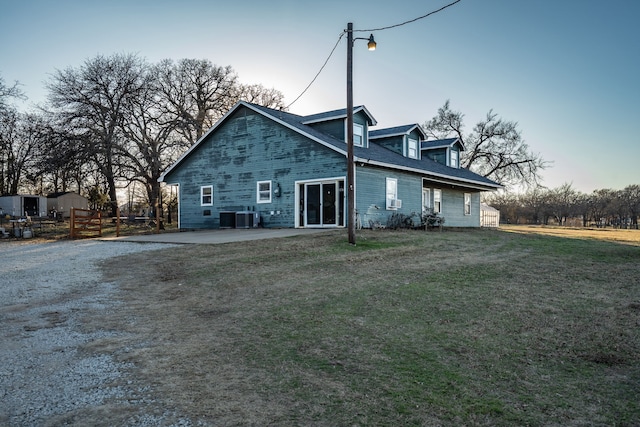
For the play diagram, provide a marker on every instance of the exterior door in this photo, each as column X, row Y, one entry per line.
column 313, row 204
column 322, row 204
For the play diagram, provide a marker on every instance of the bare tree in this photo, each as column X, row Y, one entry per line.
column 9, row 124
column 62, row 159
column 7, row 93
column 562, row 202
column 508, row 204
column 630, row 196
column 92, row 99
column 258, row 94
column 494, row 149
column 196, row 92
column 152, row 141
column 20, row 138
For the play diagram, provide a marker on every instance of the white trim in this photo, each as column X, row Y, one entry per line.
column 178, row 195
column 391, row 200
column 304, row 183
column 399, row 133
column 427, row 205
column 362, row 134
column 202, row 195
column 444, row 145
column 465, row 204
column 338, row 114
column 451, row 152
column 258, row 191
column 439, row 193
column 417, row 148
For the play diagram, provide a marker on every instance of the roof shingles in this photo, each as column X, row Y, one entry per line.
column 373, row 154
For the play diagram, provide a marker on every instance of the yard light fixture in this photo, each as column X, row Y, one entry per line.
column 350, row 165
column 372, row 43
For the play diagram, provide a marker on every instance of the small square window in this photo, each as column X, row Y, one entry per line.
column 206, row 195
column 264, row 192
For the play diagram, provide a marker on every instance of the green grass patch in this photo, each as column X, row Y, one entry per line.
column 405, row 328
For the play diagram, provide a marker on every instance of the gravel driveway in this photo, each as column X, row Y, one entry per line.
column 46, row 378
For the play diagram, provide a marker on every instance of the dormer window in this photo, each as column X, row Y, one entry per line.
column 454, row 159
column 358, row 135
column 412, row 148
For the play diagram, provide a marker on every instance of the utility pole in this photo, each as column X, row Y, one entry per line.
column 351, row 219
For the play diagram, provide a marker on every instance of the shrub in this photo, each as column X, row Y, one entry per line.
column 398, row 220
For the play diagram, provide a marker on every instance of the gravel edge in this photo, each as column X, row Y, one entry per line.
column 46, row 289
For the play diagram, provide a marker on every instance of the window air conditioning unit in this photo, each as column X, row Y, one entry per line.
column 247, row 219
column 395, row 203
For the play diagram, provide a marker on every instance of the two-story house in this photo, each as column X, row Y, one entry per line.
column 286, row 170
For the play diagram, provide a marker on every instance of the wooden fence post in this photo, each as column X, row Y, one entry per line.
column 157, row 218
column 118, row 222
column 72, row 221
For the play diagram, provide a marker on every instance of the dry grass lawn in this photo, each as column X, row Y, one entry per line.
column 474, row 327
column 630, row 237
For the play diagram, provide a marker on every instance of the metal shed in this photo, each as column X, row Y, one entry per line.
column 23, row 205
column 62, row 203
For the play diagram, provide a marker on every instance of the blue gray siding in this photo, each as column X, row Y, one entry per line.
column 371, row 202
column 393, row 143
column 245, row 149
column 371, row 194
column 336, row 128
column 453, row 208
column 439, row 155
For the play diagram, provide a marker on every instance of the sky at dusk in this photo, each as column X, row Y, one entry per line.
column 566, row 70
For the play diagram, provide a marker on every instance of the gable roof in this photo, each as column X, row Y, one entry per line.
column 338, row 114
column 374, row 154
column 396, row 131
column 441, row 143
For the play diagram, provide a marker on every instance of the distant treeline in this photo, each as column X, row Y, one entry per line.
column 566, row 206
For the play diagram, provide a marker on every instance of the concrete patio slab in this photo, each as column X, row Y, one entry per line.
column 212, row 237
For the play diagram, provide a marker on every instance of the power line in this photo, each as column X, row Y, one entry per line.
column 365, row 31
column 411, row 20
column 320, row 71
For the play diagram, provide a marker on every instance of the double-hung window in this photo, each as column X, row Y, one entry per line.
column 412, row 148
column 206, row 195
column 437, row 201
column 454, row 159
column 426, row 199
column 358, row 135
column 467, row 203
column 263, row 192
column 392, row 194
